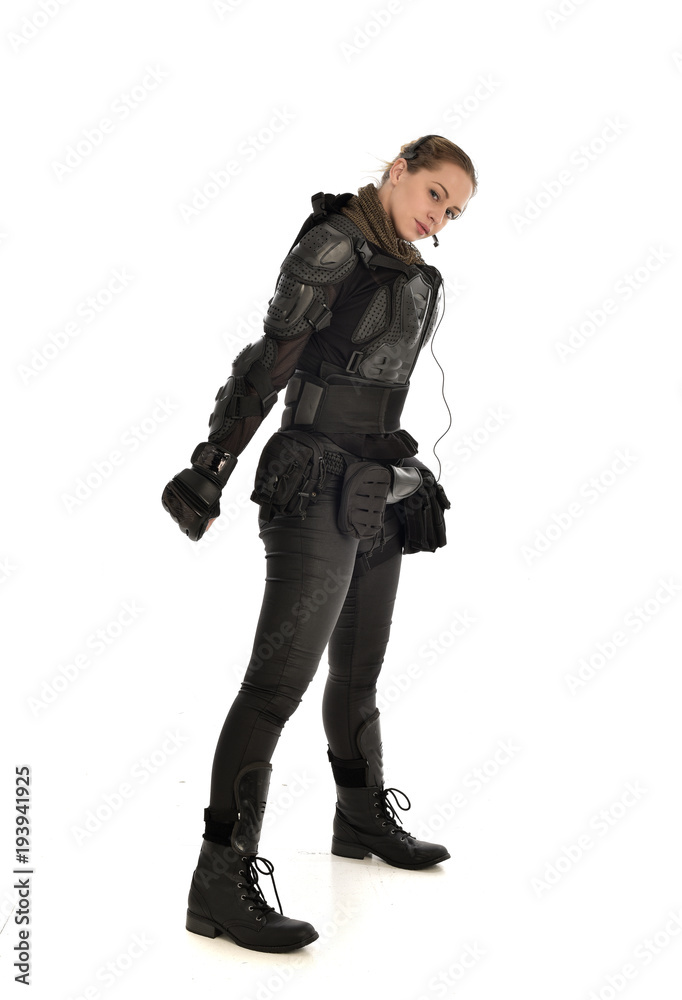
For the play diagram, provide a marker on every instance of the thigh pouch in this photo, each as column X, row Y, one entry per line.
column 420, row 501
column 289, row 475
column 366, row 489
column 364, row 492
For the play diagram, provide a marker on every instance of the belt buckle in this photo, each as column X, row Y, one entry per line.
column 352, row 365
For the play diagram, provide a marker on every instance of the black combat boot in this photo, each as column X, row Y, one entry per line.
column 365, row 821
column 225, row 897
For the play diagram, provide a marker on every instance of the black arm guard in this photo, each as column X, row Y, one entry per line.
column 321, row 257
column 192, row 497
column 324, row 256
column 253, row 364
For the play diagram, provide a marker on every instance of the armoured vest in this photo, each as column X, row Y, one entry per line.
column 366, row 395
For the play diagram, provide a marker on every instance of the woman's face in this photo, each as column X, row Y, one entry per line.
column 426, row 198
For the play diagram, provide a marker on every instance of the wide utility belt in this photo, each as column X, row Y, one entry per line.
column 292, row 472
column 341, row 404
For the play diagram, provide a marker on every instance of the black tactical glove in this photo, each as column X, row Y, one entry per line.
column 422, row 512
column 192, row 498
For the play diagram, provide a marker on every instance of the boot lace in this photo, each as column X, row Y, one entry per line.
column 388, row 810
column 252, row 887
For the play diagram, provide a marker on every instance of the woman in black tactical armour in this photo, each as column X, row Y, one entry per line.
column 341, row 497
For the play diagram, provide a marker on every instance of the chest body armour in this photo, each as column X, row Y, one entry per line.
column 401, row 312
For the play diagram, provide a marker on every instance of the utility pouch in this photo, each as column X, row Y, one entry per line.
column 289, row 475
column 363, row 499
column 422, row 514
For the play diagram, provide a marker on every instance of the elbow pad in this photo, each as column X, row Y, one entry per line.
column 252, row 365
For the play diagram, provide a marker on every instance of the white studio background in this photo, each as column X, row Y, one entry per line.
column 539, row 740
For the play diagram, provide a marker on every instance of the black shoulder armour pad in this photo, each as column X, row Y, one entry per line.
column 324, row 255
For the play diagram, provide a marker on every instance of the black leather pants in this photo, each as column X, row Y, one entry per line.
column 322, row 587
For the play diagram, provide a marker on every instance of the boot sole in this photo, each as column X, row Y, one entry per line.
column 342, row 850
column 200, row 925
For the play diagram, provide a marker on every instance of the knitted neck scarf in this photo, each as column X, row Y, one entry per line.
column 369, row 215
